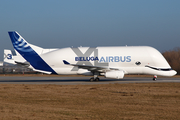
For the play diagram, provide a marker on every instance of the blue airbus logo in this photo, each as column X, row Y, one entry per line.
column 115, row 59
column 105, row 59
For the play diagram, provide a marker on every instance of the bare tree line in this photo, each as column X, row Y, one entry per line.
column 173, row 58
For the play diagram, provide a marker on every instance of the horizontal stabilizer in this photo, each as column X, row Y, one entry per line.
column 65, row 62
column 46, row 72
column 23, row 63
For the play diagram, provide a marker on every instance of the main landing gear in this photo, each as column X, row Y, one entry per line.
column 95, row 78
column 155, row 77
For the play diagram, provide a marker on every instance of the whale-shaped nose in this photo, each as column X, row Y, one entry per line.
column 172, row 73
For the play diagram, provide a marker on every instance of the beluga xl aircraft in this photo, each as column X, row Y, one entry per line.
column 111, row 62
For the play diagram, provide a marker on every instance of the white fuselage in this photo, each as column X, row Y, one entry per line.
column 131, row 60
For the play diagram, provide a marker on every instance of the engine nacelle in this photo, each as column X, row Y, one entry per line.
column 114, row 74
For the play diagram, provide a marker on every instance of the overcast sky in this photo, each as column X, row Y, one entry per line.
column 66, row 23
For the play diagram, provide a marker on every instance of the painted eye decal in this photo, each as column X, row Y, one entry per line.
column 138, row 63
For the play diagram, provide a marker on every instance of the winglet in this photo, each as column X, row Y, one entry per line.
column 65, row 62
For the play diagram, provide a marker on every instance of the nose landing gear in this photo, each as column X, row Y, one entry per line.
column 155, row 77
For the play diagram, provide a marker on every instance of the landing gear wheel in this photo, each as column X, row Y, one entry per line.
column 155, row 78
column 97, row 79
column 91, row 79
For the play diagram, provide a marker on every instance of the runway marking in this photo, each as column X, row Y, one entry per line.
column 171, row 80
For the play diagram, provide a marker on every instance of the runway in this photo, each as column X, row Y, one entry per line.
column 78, row 80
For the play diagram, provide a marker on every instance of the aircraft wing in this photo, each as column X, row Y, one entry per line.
column 91, row 68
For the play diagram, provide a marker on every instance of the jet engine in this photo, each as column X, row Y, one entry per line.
column 114, row 74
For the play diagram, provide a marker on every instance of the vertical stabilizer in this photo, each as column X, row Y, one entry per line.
column 8, row 57
column 28, row 52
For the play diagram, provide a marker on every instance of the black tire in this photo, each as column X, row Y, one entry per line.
column 91, row 79
column 97, row 79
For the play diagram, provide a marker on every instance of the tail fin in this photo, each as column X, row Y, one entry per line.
column 20, row 44
column 8, row 57
column 27, row 52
